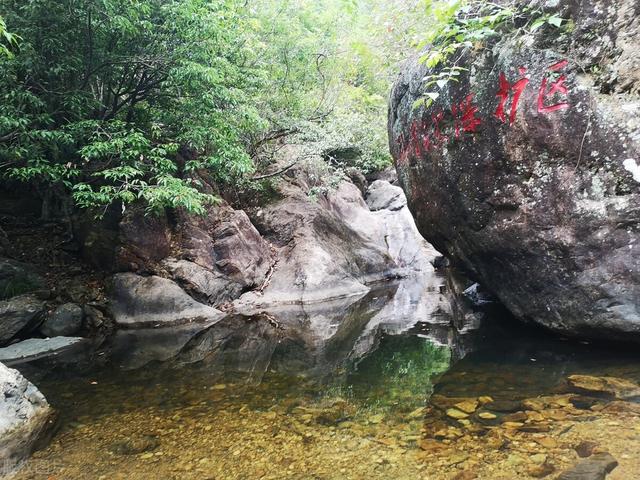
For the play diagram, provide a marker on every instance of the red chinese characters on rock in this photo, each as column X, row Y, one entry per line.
column 556, row 86
column 464, row 116
column 436, row 119
column 504, row 91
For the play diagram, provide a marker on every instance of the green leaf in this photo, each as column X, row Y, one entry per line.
column 537, row 24
column 555, row 21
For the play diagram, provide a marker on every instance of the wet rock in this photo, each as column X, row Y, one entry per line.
column 430, row 445
column 468, row 406
column 594, row 468
column 456, row 414
column 582, row 402
column 137, row 302
column 19, row 315
column 617, row 388
column 546, row 442
column 94, row 317
column 487, row 415
column 535, row 428
column 513, row 425
column 534, row 416
column 38, row 348
column 477, row 296
column 504, row 406
column 618, row 406
column 208, row 286
column 465, row 475
column 541, row 208
column 335, row 412
column 533, row 404
column 65, row 320
column 515, row 417
column 25, row 417
column 442, row 402
column 17, row 278
column 136, row 445
column 541, row 471
column 585, row 449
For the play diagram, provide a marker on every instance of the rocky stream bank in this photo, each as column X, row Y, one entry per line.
column 141, row 289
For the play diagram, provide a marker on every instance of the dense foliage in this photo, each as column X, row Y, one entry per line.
column 127, row 100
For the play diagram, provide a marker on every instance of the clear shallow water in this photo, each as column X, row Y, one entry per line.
column 252, row 397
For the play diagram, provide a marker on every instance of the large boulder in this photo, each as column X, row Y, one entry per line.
column 327, row 246
column 19, row 314
column 49, row 349
column 144, row 302
column 408, row 249
column 25, row 416
column 120, row 241
column 65, row 320
column 539, row 201
column 208, row 286
column 221, row 248
column 227, row 245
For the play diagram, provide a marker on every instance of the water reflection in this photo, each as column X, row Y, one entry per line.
column 343, row 383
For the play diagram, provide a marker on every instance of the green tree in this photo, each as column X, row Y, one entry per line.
column 122, row 100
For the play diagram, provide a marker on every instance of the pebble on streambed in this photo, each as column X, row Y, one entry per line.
column 302, row 437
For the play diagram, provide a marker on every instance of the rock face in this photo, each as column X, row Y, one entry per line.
column 335, row 244
column 539, row 201
column 65, row 320
column 215, row 257
column 19, row 314
column 138, row 302
column 24, row 417
column 37, row 348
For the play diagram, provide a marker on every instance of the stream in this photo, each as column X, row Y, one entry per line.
column 340, row 390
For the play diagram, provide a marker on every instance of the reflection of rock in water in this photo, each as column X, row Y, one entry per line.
column 299, row 339
column 317, row 340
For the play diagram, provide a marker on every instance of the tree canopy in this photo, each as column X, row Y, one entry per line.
column 119, row 101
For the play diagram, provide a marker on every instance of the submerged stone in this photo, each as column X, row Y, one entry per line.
column 594, row 468
column 456, row 414
column 618, row 388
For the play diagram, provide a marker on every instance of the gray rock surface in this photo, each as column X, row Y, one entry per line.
column 227, row 245
column 65, row 320
column 327, row 247
column 595, row 467
column 19, row 314
column 24, row 417
column 543, row 211
column 337, row 244
column 209, row 286
column 137, row 301
column 406, row 246
column 37, row 348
